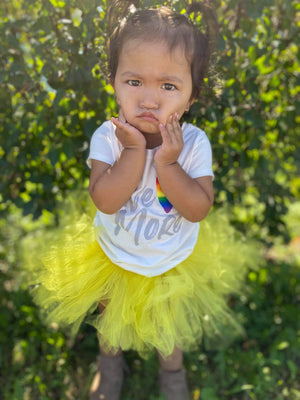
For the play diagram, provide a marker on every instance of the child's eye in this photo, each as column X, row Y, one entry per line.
column 134, row 82
column 169, row 86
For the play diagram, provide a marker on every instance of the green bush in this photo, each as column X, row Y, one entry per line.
column 53, row 95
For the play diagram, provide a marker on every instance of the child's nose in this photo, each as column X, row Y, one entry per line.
column 149, row 99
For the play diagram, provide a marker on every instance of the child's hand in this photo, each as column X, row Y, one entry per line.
column 129, row 136
column 172, row 142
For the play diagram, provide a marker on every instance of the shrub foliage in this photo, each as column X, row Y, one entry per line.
column 54, row 94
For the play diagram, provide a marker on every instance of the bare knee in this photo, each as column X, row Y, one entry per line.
column 110, row 353
column 172, row 363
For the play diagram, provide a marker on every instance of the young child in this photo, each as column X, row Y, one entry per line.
column 158, row 282
column 151, row 178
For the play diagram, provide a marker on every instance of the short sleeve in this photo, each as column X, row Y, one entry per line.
column 201, row 157
column 101, row 146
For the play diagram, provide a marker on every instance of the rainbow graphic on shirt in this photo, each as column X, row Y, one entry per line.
column 164, row 202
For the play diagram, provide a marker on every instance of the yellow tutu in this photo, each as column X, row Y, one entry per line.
column 142, row 313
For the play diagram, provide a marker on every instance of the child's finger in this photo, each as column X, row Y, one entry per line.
column 177, row 132
column 117, row 122
column 174, row 129
column 164, row 134
column 120, row 122
column 170, row 128
column 123, row 126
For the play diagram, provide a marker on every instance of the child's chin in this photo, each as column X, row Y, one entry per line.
column 150, row 127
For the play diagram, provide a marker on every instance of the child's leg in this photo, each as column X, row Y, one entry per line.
column 110, row 353
column 172, row 377
column 103, row 352
column 108, row 380
column 173, row 362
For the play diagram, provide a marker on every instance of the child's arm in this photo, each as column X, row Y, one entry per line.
column 192, row 198
column 112, row 185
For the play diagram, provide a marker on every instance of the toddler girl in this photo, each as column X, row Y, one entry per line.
column 158, row 282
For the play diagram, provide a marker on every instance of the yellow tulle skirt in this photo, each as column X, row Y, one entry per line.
column 142, row 313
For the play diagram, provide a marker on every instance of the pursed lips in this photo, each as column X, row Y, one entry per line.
column 148, row 116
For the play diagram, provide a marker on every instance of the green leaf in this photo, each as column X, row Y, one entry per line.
column 54, row 156
column 208, row 393
column 283, row 345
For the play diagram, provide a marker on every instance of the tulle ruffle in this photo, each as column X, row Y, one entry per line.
column 142, row 313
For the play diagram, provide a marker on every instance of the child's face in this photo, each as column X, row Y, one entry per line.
column 152, row 83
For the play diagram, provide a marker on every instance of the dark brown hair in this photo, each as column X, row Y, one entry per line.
column 127, row 22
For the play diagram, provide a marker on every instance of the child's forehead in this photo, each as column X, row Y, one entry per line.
column 153, row 60
column 135, row 47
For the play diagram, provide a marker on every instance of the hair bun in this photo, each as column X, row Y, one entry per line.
column 120, row 9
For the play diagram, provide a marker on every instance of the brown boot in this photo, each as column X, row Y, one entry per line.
column 173, row 385
column 108, row 381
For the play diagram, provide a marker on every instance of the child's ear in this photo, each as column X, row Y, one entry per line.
column 192, row 101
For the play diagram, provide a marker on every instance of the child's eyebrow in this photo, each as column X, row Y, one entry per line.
column 172, row 78
column 131, row 73
column 162, row 78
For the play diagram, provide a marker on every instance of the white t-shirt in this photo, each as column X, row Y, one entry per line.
column 147, row 235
